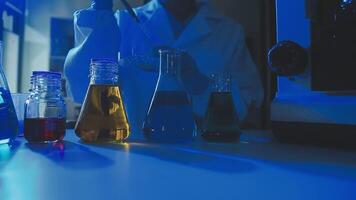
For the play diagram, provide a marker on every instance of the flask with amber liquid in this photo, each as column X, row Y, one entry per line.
column 221, row 122
column 103, row 116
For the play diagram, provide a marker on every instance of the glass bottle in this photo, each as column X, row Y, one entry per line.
column 8, row 118
column 221, row 123
column 170, row 117
column 45, row 109
column 103, row 116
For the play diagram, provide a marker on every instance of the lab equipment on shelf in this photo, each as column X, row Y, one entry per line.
column 103, row 116
column 45, row 109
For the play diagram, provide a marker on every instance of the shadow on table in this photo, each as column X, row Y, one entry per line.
column 247, row 157
column 71, row 155
column 296, row 158
column 185, row 156
column 317, row 161
column 7, row 152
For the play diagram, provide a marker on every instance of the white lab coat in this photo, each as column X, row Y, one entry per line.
column 214, row 42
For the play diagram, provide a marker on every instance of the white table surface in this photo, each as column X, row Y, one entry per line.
column 257, row 169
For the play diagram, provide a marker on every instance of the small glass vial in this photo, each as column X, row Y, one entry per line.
column 45, row 109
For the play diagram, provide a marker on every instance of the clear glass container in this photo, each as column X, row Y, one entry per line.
column 221, row 123
column 8, row 118
column 103, row 115
column 170, row 117
column 45, row 109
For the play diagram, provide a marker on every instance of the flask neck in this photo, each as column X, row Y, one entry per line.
column 222, row 82
column 104, row 72
column 46, row 82
column 170, row 62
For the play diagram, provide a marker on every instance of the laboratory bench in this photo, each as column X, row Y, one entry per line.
column 255, row 168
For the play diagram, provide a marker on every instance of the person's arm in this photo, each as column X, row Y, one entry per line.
column 193, row 80
column 246, row 82
column 97, row 35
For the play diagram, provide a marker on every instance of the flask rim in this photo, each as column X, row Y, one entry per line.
column 104, row 71
column 47, row 74
column 45, row 81
column 106, row 61
column 171, row 51
column 103, row 65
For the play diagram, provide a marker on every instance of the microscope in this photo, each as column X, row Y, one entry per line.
column 315, row 60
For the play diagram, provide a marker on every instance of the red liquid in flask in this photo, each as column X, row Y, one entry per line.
column 44, row 129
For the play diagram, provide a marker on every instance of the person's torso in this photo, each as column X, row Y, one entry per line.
column 209, row 40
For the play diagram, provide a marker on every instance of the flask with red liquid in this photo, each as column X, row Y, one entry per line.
column 45, row 110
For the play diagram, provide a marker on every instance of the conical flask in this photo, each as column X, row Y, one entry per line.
column 8, row 117
column 103, row 116
column 221, row 123
column 170, row 117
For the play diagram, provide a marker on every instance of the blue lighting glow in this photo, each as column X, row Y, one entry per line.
column 6, row 141
column 292, row 22
column 1, row 99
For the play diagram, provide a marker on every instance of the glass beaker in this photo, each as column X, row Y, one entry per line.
column 45, row 109
column 8, row 118
column 221, row 123
column 103, row 116
column 170, row 117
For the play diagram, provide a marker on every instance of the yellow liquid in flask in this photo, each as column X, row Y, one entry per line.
column 103, row 117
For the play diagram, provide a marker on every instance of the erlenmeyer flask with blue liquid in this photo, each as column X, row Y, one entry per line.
column 8, row 118
column 221, row 122
column 170, row 117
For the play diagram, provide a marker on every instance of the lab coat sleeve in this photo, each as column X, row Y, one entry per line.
column 246, row 81
column 97, row 35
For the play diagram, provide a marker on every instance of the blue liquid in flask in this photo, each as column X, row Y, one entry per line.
column 8, row 118
column 170, row 119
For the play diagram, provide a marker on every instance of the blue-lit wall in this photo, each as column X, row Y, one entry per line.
column 12, row 14
column 295, row 100
column 38, row 31
column 292, row 22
